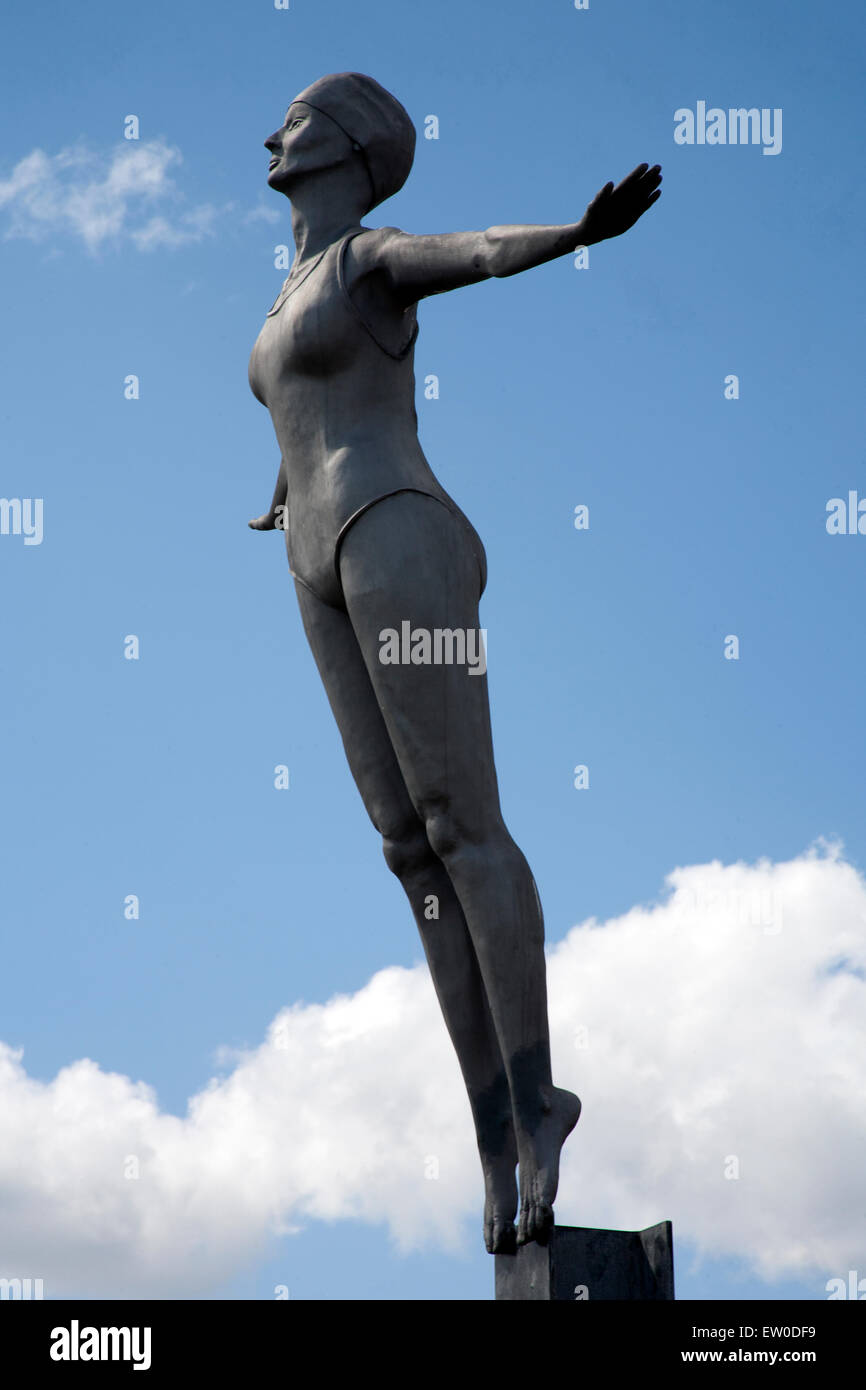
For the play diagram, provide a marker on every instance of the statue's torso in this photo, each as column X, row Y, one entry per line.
column 342, row 403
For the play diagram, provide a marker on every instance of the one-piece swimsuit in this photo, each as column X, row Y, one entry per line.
column 342, row 401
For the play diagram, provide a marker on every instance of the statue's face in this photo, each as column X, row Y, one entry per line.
column 307, row 141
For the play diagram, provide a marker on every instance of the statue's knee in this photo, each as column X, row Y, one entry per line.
column 407, row 851
column 454, row 838
column 445, row 835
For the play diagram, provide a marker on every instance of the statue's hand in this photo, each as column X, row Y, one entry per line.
column 613, row 210
column 274, row 520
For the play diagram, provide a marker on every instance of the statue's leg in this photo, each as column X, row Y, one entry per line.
column 409, row 560
column 447, row 944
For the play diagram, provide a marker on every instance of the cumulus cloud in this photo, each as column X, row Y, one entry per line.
column 261, row 213
column 717, row 1039
column 102, row 198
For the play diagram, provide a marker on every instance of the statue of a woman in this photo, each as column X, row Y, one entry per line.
column 377, row 546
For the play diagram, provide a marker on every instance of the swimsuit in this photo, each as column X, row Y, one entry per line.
column 342, row 402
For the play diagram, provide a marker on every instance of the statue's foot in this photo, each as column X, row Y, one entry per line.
column 500, row 1202
column 539, row 1164
column 500, row 1233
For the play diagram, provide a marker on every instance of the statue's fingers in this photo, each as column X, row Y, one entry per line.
column 602, row 194
column 653, row 177
column 631, row 178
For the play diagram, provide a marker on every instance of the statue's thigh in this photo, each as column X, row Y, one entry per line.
column 369, row 752
column 409, row 571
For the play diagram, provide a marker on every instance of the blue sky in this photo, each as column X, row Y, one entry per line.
column 602, row 386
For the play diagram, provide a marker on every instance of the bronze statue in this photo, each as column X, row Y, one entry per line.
column 375, row 543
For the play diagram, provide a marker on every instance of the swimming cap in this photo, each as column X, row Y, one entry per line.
column 374, row 120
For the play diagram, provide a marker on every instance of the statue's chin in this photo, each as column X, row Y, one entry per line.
column 277, row 179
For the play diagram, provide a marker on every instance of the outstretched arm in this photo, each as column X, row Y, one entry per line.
column 275, row 518
column 417, row 266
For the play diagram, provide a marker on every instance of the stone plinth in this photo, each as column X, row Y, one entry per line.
column 582, row 1264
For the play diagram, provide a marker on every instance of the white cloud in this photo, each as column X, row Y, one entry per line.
column 127, row 194
column 726, row 1021
column 261, row 213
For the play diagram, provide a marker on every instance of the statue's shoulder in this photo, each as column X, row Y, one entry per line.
column 384, row 233
column 369, row 248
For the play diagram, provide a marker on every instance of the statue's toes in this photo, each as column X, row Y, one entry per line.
column 504, row 1239
column 536, row 1223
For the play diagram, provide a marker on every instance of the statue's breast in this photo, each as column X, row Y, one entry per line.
column 307, row 333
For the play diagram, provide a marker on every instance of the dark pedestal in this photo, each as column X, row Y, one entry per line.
column 581, row 1263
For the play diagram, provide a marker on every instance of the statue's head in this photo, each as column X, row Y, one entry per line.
column 374, row 127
